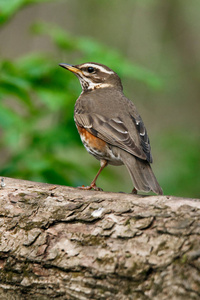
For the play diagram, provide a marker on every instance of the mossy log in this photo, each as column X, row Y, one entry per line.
column 64, row 243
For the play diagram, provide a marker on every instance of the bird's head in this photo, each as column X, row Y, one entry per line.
column 94, row 75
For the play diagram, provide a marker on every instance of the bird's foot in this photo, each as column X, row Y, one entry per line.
column 92, row 186
column 134, row 191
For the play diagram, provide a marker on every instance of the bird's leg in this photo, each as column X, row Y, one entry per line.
column 134, row 191
column 103, row 164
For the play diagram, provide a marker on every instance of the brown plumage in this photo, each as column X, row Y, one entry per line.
column 110, row 127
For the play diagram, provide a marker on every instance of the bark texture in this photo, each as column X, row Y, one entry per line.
column 60, row 242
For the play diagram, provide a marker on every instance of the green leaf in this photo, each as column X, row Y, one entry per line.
column 53, row 99
column 10, row 7
column 8, row 118
column 61, row 38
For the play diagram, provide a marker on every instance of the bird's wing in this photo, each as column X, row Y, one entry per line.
column 115, row 132
column 144, row 139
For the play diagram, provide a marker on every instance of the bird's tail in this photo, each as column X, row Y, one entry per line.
column 141, row 173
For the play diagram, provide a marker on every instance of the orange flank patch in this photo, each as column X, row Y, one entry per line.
column 91, row 140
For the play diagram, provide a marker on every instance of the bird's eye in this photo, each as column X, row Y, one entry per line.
column 90, row 69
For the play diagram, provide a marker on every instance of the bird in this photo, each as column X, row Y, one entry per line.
column 110, row 126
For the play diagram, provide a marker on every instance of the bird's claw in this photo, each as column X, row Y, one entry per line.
column 96, row 188
column 90, row 187
column 134, row 191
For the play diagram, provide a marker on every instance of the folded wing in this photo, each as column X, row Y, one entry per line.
column 114, row 132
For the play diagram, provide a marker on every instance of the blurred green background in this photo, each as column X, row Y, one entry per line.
column 153, row 45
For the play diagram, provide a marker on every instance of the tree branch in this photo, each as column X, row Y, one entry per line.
column 64, row 243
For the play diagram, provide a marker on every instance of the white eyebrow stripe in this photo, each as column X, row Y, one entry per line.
column 101, row 68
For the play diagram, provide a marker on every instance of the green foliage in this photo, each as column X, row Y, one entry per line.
column 37, row 119
column 8, row 9
column 182, row 166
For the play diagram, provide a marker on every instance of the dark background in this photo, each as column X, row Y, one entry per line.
column 153, row 45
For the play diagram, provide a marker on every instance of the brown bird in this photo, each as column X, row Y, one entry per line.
column 110, row 127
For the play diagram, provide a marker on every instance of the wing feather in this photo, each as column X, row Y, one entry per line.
column 114, row 132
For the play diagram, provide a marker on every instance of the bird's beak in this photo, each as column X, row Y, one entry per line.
column 71, row 68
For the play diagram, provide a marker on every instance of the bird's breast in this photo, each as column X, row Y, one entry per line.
column 97, row 147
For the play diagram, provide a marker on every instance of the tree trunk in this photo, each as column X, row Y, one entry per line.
column 64, row 243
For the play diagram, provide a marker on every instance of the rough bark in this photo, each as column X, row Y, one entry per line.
column 64, row 243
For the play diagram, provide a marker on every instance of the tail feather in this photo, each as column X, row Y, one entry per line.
column 141, row 173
